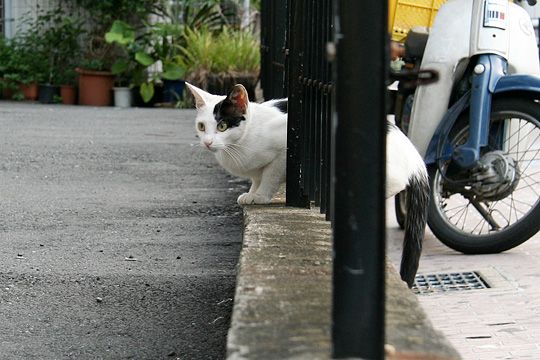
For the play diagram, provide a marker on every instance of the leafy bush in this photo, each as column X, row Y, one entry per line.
column 231, row 51
column 156, row 43
column 47, row 49
column 99, row 54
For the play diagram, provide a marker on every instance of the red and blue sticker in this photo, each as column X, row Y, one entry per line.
column 495, row 12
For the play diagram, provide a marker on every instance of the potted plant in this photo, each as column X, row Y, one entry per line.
column 152, row 57
column 95, row 77
column 163, row 60
column 68, row 91
column 50, row 44
column 21, row 69
column 216, row 62
column 125, row 68
column 95, row 83
column 28, row 68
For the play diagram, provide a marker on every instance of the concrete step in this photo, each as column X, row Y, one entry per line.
column 282, row 304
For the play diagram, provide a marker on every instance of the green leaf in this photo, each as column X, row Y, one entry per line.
column 147, row 91
column 120, row 32
column 173, row 72
column 144, row 59
column 120, row 66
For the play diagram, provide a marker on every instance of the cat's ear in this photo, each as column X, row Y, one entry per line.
column 201, row 96
column 239, row 97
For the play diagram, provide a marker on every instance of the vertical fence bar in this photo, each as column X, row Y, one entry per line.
column 266, row 13
column 295, row 132
column 274, row 16
column 358, row 183
column 317, row 118
column 329, row 112
column 306, row 89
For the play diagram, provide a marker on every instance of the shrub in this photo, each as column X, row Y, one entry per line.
column 231, row 51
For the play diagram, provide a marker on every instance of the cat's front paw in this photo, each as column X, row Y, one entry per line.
column 251, row 199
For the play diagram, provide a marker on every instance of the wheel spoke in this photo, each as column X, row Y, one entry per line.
column 460, row 213
column 528, row 186
column 529, row 164
column 515, row 208
column 519, row 202
column 519, row 137
column 529, row 175
column 480, row 223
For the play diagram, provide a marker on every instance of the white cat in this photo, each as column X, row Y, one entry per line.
column 249, row 140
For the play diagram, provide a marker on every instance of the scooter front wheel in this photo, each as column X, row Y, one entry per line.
column 495, row 206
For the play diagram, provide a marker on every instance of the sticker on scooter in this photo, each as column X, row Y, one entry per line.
column 495, row 13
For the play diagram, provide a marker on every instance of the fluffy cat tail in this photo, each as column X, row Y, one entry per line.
column 415, row 225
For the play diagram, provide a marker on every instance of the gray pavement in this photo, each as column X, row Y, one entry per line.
column 502, row 322
column 119, row 236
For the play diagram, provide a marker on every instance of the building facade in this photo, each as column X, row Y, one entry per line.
column 12, row 13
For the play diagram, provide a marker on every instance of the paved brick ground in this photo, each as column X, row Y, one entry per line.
column 498, row 323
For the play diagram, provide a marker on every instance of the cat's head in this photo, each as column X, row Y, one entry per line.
column 221, row 120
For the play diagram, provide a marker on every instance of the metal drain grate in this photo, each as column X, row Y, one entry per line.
column 456, row 281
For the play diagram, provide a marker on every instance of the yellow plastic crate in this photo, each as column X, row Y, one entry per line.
column 403, row 15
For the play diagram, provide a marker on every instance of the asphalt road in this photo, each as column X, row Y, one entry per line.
column 119, row 236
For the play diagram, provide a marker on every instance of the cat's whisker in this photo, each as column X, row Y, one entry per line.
column 234, row 156
column 241, row 147
column 239, row 154
column 234, row 149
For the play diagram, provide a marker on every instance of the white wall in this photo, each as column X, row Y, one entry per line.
column 16, row 10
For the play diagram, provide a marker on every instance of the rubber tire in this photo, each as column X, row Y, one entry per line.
column 497, row 242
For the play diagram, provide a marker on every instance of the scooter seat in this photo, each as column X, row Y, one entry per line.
column 416, row 41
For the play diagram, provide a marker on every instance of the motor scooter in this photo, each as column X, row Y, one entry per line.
column 478, row 127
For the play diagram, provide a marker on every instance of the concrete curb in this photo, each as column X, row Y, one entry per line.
column 282, row 304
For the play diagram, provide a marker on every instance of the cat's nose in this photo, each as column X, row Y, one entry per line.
column 207, row 143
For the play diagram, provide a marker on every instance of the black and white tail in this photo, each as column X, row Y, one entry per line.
column 415, row 225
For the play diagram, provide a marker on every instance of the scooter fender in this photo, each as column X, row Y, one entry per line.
column 524, row 84
column 439, row 148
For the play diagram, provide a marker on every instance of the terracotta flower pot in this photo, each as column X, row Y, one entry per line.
column 5, row 91
column 95, row 87
column 30, row 91
column 68, row 94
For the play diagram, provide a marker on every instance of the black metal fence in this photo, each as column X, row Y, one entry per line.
column 273, row 48
column 328, row 57
column 310, row 90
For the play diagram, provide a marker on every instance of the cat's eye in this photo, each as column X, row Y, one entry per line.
column 200, row 126
column 222, row 126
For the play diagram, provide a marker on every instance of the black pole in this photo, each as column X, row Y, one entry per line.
column 295, row 193
column 358, row 182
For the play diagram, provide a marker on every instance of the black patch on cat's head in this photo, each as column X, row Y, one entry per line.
column 281, row 105
column 233, row 108
column 227, row 112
